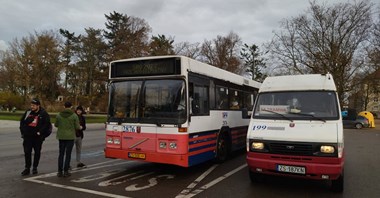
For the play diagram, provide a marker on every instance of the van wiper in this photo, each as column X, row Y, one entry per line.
column 278, row 114
column 311, row 115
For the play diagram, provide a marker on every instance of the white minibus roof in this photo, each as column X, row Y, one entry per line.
column 298, row 83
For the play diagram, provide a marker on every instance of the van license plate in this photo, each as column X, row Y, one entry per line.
column 137, row 155
column 291, row 169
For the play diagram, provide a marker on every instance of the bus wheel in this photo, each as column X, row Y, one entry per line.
column 222, row 150
column 337, row 185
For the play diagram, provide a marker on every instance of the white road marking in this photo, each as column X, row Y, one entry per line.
column 195, row 182
column 152, row 182
column 217, row 180
column 113, row 182
column 94, row 166
column 76, row 188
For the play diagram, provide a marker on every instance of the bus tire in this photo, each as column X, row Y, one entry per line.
column 222, row 148
column 338, row 184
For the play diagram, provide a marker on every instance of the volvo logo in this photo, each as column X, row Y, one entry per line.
column 289, row 147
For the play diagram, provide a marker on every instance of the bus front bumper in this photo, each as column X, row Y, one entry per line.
column 164, row 158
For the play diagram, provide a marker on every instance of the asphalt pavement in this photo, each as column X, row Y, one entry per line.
column 9, row 124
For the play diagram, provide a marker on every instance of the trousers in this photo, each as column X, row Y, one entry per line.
column 29, row 145
column 64, row 157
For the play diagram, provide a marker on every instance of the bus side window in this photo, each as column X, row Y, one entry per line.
column 200, row 101
column 195, row 104
column 221, row 97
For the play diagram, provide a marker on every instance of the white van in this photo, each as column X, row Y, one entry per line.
column 296, row 130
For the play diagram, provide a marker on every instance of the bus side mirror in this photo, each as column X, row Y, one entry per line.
column 244, row 113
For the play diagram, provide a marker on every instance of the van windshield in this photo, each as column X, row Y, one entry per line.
column 297, row 105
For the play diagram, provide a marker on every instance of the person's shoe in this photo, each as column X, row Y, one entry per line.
column 34, row 171
column 66, row 174
column 81, row 165
column 25, row 172
column 59, row 174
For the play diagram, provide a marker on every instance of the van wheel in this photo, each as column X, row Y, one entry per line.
column 255, row 177
column 358, row 126
column 222, row 148
column 338, row 184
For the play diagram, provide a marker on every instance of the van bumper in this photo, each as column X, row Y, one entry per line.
column 319, row 168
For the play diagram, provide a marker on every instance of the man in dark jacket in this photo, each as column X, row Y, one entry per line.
column 34, row 126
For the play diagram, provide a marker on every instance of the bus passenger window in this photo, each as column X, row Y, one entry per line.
column 221, row 97
column 200, row 102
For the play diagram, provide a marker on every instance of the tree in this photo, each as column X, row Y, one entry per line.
column 160, row 45
column 374, row 51
column 223, row 52
column 68, row 53
column 92, row 64
column 191, row 50
column 326, row 39
column 127, row 36
column 253, row 62
column 33, row 65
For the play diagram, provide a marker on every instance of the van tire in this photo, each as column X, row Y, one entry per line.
column 255, row 177
column 222, row 148
column 338, row 184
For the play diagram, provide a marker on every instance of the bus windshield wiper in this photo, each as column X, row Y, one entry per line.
column 311, row 115
column 279, row 114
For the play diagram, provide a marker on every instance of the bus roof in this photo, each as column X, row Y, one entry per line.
column 298, row 83
column 204, row 69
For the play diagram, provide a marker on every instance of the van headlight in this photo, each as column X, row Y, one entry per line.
column 327, row 149
column 257, row 146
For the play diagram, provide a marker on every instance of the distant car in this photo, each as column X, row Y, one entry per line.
column 358, row 123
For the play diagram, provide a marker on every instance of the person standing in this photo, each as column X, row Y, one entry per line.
column 34, row 126
column 79, row 135
column 67, row 123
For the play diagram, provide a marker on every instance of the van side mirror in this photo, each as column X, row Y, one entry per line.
column 244, row 113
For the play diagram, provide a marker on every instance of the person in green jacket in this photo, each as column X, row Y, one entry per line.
column 67, row 123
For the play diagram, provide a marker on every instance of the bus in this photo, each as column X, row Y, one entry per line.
column 176, row 110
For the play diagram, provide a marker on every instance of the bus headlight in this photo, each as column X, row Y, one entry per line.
column 116, row 141
column 173, row 145
column 109, row 140
column 257, row 146
column 162, row 145
column 327, row 149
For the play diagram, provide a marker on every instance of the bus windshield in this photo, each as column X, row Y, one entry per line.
column 297, row 105
column 148, row 101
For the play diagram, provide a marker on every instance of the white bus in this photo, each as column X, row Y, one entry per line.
column 296, row 130
column 176, row 110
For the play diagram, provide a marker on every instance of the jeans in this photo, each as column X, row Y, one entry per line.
column 30, row 144
column 65, row 149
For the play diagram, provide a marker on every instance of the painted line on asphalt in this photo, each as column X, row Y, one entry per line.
column 217, row 180
column 77, row 189
column 196, row 182
column 90, row 167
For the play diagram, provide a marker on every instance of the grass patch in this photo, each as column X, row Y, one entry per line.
column 16, row 116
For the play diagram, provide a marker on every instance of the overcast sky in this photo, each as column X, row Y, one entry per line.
column 185, row 20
